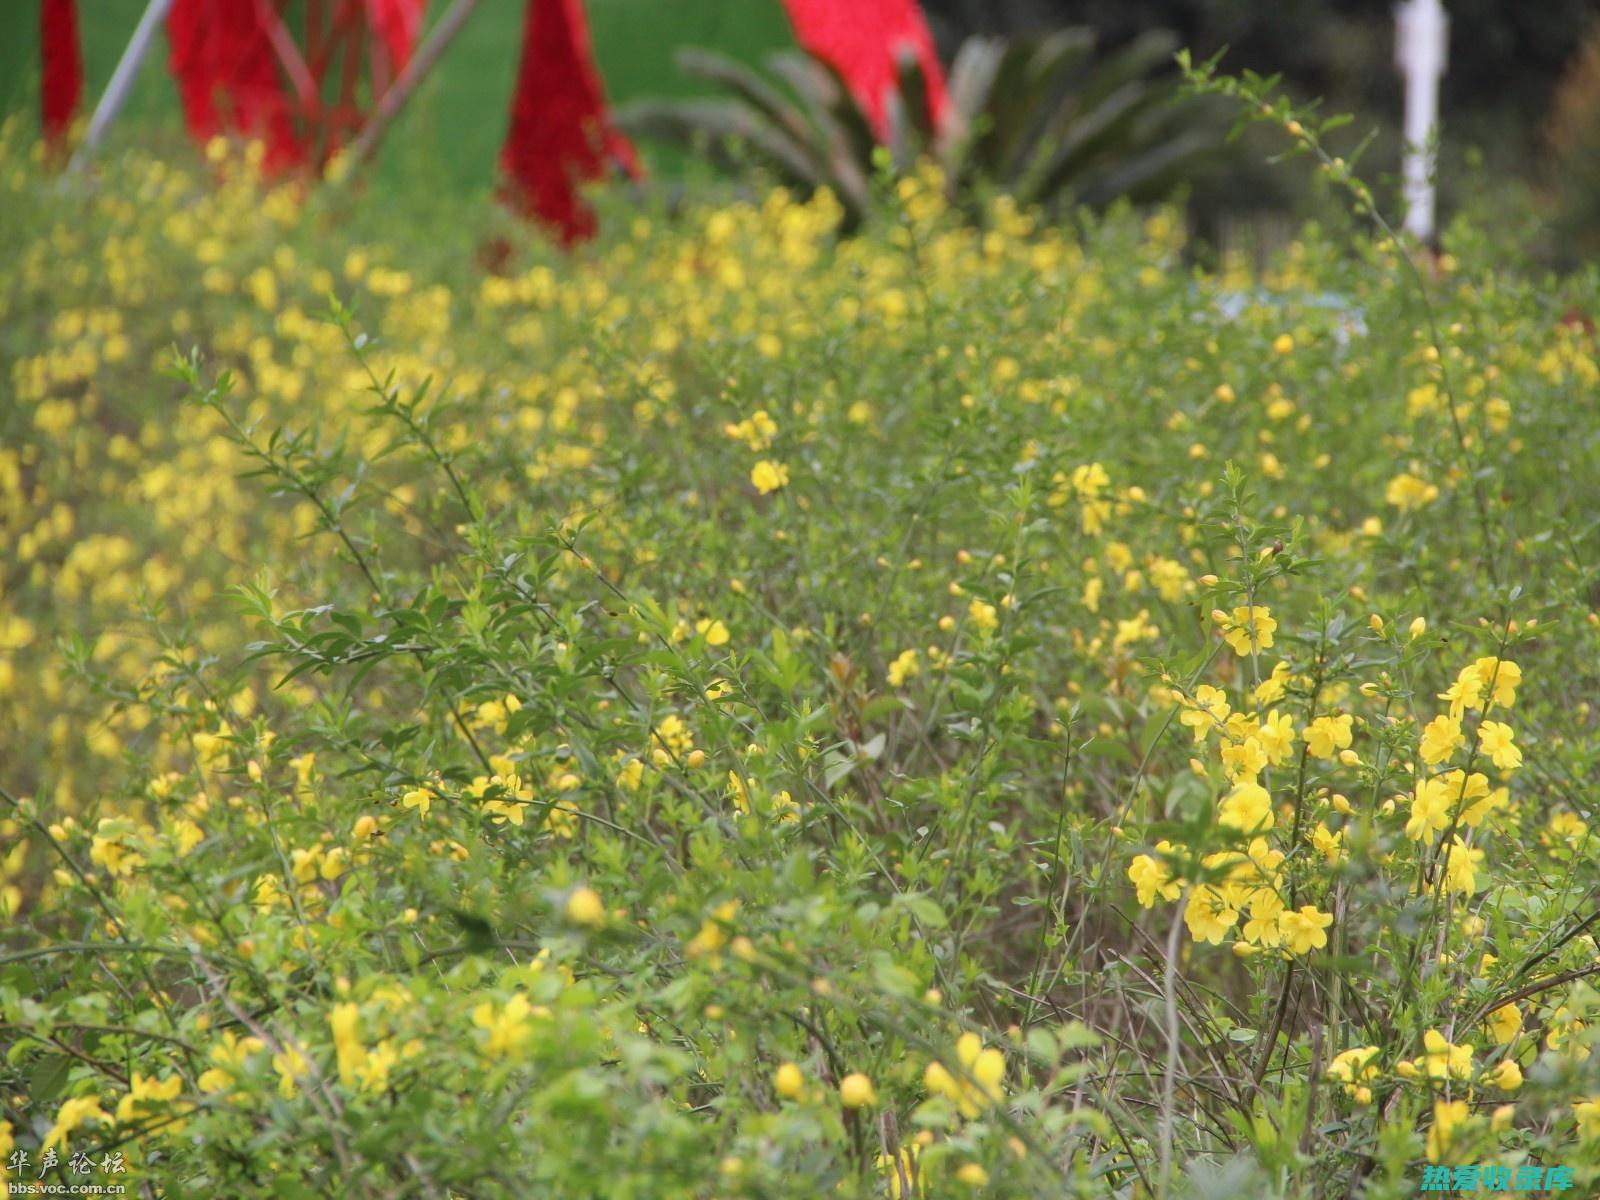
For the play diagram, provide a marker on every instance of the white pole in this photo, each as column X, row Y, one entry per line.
column 394, row 98
column 122, row 78
column 1421, row 48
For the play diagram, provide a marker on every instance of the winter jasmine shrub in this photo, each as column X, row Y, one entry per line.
column 743, row 711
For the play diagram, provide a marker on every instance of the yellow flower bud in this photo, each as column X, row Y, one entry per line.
column 856, row 1091
column 788, row 1081
column 584, row 907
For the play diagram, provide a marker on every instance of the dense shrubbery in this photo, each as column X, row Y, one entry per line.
column 746, row 713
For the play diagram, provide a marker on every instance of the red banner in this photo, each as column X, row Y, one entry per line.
column 62, row 63
column 227, row 73
column 560, row 136
column 861, row 39
column 398, row 24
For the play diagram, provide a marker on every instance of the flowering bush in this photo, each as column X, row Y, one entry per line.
column 741, row 712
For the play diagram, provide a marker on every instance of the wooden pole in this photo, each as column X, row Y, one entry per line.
column 116, row 93
column 394, row 99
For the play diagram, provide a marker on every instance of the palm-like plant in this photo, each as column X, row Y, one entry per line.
column 1042, row 117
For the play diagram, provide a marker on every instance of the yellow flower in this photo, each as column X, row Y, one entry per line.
column 1326, row 736
column 1506, row 677
column 1244, row 759
column 1472, row 795
column 673, row 735
column 715, row 632
column 978, row 1086
column 1441, row 737
column 1430, row 808
column 1505, row 1023
column 1328, row 843
column 267, row 894
column 768, row 476
column 1447, row 1118
column 1563, row 1030
column 344, row 1020
column 1495, row 740
column 1247, row 809
column 1568, row 826
column 141, row 1089
column 71, row 1116
column 1444, row 1060
column 1406, row 492
column 229, row 1058
column 508, row 796
column 1276, row 737
column 290, row 1065
column 904, row 667
column 1305, row 930
column 1135, row 629
column 713, row 935
column 856, row 1091
column 1461, row 867
column 584, row 907
column 418, row 798
column 1587, row 1114
column 1506, row 1076
column 1246, row 626
column 1089, row 483
column 1150, row 879
column 508, row 1026
column 114, row 848
column 1264, row 927
column 189, row 835
column 1466, row 692
column 756, row 431
column 1353, row 1068
column 1209, row 916
column 374, row 1073
column 1208, row 709
column 983, row 616
column 1270, row 690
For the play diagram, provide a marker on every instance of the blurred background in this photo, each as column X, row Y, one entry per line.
column 1520, row 101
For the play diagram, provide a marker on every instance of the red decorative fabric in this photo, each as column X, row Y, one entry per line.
column 560, row 136
column 227, row 75
column 398, row 24
column 62, row 62
column 860, row 39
